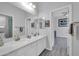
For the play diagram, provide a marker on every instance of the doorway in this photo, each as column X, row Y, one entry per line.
column 61, row 19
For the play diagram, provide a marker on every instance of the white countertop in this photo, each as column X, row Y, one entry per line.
column 13, row 45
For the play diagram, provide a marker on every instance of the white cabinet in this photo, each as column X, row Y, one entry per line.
column 41, row 45
column 32, row 49
column 29, row 50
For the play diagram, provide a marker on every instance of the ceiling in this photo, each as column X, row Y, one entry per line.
column 26, row 8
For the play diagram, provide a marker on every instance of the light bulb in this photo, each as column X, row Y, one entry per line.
column 33, row 6
column 30, row 4
column 43, row 17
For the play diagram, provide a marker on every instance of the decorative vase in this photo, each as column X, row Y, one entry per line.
column 16, row 37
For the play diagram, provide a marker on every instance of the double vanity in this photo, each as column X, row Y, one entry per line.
column 24, row 47
column 14, row 43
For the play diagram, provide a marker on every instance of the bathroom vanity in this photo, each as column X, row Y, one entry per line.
column 13, row 43
column 24, row 47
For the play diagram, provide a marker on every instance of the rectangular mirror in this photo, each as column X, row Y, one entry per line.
column 6, row 25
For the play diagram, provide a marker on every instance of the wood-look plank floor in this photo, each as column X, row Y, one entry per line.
column 60, row 48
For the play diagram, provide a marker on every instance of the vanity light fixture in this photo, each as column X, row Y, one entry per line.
column 33, row 6
column 28, row 4
column 43, row 17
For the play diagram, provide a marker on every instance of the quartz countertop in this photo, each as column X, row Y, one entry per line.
column 13, row 45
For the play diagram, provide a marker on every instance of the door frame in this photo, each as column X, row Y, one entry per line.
column 70, row 17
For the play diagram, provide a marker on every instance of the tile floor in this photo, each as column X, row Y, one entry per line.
column 60, row 48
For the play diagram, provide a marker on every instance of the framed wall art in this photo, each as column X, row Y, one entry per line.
column 47, row 23
column 62, row 22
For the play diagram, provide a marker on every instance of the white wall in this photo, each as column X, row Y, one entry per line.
column 45, row 10
column 75, row 17
column 75, row 7
column 17, row 14
column 57, row 14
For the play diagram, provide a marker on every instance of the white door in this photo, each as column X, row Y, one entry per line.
column 75, row 39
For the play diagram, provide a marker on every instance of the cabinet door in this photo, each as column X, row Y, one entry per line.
column 12, row 54
column 28, row 50
column 41, row 45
